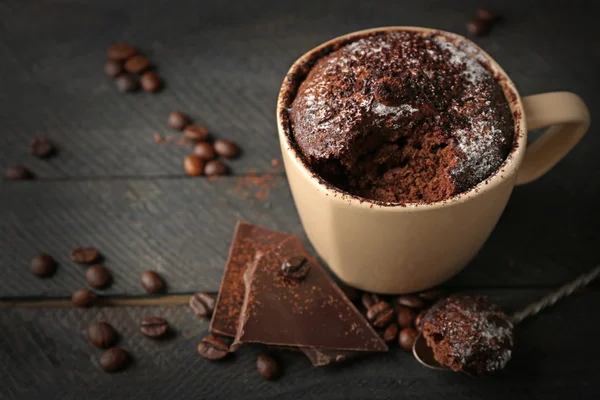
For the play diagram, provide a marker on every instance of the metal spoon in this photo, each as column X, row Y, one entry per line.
column 424, row 354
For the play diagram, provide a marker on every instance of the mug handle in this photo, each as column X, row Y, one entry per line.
column 569, row 119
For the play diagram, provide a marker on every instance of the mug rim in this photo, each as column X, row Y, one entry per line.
column 507, row 170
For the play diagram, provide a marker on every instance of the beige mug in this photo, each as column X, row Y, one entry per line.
column 400, row 249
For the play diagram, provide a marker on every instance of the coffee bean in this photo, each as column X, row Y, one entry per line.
column 126, row 83
column 83, row 298
column 41, row 147
column 17, row 173
column 43, row 265
column 478, row 27
column 351, row 293
column 418, row 320
column 369, row 299
column 411, row 301
column 212, row 348
column 113, row 68
column 114, row 360
column 205, row 151
column 152, row 282
column 150, row 81
column 406, row 338
column 193, row 165
column 178, row 120
column 406, row 316
column 390, row 333
column 196, row 133
column 215, row 168
column 154, row 327
column 202, row 304
column 267, row 366
column 295, row 267
column 431, row 295
column 226, row 148
column 380, row 314
column 486, row 14
column 84, row 255
column 137, row 64
column 121, row 51
column 97, row 276
column 102, row 335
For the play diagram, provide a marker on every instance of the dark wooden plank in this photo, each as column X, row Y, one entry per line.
column 224, row 61
column 183, row 228
column 45, row 355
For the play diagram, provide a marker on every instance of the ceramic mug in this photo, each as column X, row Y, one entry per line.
column 406, row 248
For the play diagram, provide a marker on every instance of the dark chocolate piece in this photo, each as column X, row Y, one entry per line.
column 248, row 239
column 309, row 313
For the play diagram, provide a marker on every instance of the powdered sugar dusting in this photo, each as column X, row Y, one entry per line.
column 382, row 109
column 474, row 72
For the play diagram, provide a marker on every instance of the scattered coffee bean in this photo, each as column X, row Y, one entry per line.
column 17, row 173
column 486, row 14
column 226, row 148
column 178, row 120
column 193, row 165
column 152, row 282
column 212, row 348
column 390, row 333
column 113, row 68
column 431, row 295
column 43, row 265
column 83, row 298
column 478, row 27
column 114, row 360
column 137, row 64
column 97, row 276
column 295, row 267
column 196, row 133
column 102, row 335
column 369, row 299
column 41, row 147
column 121, row 51
column 406, row 316
column 202, row 304
column 351, row 293
column 84, row 255
column 418, row 320
column 126, row 83
column 406, row 338
column 205, row 151
column 411, row 301
column 267, row 366
column 154, row 327
column 380, row 314
column 215, row 168
column 150, row 82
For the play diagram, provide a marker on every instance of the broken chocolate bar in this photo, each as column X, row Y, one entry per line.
column 248, row 239
column 309, row 313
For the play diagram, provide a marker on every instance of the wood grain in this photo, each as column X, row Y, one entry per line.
column 45, row 355
column 182, row 228
column 223, row 65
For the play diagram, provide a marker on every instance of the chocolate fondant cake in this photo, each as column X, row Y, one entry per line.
column 468, row 334
column 402, row 117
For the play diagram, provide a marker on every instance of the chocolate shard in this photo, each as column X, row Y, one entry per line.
column 248, row 239
column 312, row 314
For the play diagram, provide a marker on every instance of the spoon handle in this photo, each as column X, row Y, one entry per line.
column 553, row 297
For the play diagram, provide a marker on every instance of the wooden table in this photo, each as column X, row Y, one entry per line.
column 112, row 186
